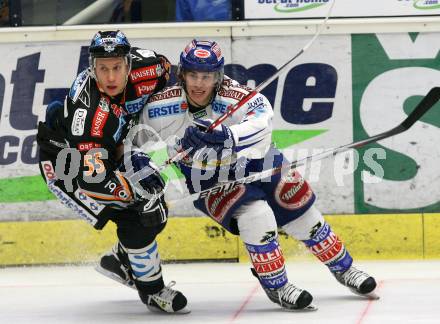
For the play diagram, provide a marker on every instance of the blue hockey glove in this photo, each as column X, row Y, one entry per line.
column 140, row 170
column 148, row 187
column 197, row 137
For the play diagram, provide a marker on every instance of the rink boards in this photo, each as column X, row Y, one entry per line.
column 358, row 79
column 384, row 237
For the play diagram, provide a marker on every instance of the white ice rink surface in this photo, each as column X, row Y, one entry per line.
column 219, row 293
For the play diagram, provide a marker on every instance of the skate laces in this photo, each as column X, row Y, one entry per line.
column 167, row 293
column 289, row 293
column 354, row 277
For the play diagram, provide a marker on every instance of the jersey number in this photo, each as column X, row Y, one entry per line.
column 94, row 164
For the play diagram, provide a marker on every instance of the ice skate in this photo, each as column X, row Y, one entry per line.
column 166, row 301
column 111, row 267
column 289, row 297
column 358, row 282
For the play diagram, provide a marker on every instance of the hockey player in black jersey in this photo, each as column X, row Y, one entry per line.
column 84, row 164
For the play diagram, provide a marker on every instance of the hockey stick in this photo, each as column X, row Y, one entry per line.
column 233, row 108
column 265, row 83
column 425, row 104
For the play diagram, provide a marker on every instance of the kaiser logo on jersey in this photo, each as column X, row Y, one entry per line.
column 145, row 73
column 98, row 123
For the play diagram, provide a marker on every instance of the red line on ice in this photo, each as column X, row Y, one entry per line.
column 370, row 302
column 245, row 302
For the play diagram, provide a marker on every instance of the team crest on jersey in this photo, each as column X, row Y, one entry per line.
column 293, row 192
column 104, row 104
column 218, row 204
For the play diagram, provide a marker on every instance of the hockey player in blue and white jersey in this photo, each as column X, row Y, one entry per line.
column 237, row 147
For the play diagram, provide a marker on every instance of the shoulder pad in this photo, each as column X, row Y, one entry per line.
column 80, row 88
column 142, row 55
column 233, row 90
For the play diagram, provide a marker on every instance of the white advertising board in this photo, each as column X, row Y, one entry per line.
column 288, row 9
column 344, row 88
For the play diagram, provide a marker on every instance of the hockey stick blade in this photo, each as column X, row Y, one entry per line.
column 425, row 104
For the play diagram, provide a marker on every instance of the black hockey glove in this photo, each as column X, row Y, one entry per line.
column 152, row 212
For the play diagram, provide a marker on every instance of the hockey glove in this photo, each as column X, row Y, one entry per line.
column 143, row 175
column 148, row 187
column 152, row 212
column 200, row 140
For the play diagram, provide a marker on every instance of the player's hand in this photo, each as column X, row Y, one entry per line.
column 152, row 212
column 199, row 138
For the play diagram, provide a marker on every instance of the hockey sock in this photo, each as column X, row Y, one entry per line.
column 268, row 262
column 145, row 268
column 329, row 249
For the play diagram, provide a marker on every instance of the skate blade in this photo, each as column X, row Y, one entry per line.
column 371, row 296
column 114, row 277
column 310, row 308
column 157, row 310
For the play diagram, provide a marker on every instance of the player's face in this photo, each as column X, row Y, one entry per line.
column 200, row 86
column 112, row 74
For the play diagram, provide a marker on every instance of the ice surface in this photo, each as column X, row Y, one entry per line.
column 219, row 293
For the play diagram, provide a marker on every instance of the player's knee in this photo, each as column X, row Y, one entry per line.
column 256, row 222
column 304, row 227
column 132, row 234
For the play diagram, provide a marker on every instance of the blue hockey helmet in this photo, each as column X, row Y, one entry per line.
column 109, row 44
column 200, row 55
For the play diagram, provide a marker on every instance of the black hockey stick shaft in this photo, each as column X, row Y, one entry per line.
column 425, row 104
